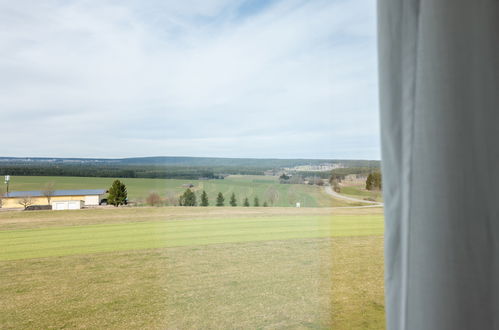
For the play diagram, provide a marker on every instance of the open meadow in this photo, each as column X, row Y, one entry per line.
column 241, row 185
column 203, row 268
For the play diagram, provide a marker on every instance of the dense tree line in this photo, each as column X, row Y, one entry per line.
column 152, row 172
column 168, row 167
column 188, row 198
column 339, row 174
column 190, row 161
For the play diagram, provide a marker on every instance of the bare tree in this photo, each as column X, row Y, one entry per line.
column 292, row 197
column 271, row 195
column 26, row 201
column 172, row 198
column 336, row 185
column 153, row 199
column 2, row 193
column 48, row 191
column 315, row 180
column 296, row 179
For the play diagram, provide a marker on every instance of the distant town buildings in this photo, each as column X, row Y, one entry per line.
column 316, row 168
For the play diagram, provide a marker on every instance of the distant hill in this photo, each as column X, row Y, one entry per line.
column 265, row 163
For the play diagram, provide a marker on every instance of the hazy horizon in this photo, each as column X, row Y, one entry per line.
column 218, row 78
column 182, row 156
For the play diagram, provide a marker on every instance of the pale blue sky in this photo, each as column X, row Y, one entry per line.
column 221, row 78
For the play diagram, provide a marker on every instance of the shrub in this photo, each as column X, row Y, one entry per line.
column 153, row 199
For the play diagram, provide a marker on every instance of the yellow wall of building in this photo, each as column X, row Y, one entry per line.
column 13, row 202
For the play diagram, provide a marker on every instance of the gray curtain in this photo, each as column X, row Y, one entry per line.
column 439, row 82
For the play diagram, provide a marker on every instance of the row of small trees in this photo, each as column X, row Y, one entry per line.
column 188, row 198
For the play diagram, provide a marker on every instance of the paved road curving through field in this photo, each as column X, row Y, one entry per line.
column 329, row 190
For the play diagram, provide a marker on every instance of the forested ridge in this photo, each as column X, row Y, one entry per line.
column 166, row 167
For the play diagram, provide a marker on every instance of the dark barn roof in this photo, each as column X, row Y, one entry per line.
column 38, row 193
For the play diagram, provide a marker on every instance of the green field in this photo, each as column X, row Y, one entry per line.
column 241, row 186
column 192, row 268
column 93, row 238
column 359, row 191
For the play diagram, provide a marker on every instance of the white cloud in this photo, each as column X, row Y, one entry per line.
column 201, row 78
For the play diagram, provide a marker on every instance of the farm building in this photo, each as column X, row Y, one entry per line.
column 59, row 199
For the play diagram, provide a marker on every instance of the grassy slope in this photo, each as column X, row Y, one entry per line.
column 360, row 192
column 242, row 186
column 311, row 282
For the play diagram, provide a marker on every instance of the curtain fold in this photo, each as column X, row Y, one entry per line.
column 439, row 105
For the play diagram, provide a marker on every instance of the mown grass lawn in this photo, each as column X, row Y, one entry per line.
column 186, row 268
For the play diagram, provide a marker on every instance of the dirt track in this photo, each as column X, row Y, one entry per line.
column 334, row 194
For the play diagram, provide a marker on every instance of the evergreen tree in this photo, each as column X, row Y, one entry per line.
column 369, row 182
column 188, row 198
column 265, row 204
column 233, row 201
column 204, row 199
column 220, row 199
column 246, row 202
column 373, row 181
column 117, row 194
column 256, row 202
